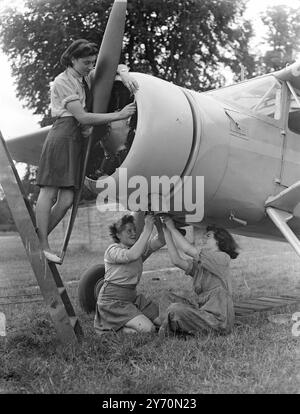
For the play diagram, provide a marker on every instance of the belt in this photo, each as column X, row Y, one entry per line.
column 112, row 291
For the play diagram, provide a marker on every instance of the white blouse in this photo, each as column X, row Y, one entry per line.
column 65, row 88
column 119, row 269
column 68, row 87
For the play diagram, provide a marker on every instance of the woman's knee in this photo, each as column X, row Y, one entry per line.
column 49, row 193
column 66, row 198
column 146, row 328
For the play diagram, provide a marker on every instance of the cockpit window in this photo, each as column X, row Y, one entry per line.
column 269, row 105
column 294, row 112
column 260, row 95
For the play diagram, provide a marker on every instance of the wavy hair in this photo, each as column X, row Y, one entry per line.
column 119, row 226
column 78, row 49
column 225, row 241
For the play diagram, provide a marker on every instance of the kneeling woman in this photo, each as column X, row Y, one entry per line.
column 119, row 307
column 209, row 269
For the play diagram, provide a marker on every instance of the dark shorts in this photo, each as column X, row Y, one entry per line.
column 62, row 155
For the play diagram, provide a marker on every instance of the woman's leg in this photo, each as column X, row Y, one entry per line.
column 63, row 203
column 44, row 204
column 149, row 309
column 140, row 323
column 158, row 321
column 185, row 319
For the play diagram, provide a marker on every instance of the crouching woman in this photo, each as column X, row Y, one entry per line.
column 209, row 268
column 119, row 307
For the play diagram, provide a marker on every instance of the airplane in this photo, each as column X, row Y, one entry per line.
column 244, row 139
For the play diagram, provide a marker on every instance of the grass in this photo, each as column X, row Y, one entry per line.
column 257, row 357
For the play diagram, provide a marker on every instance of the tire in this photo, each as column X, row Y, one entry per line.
column 89, row 286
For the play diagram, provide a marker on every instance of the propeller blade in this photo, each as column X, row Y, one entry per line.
column 109, row 56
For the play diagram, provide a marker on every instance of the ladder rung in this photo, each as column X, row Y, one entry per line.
column 61, row 290
column 73, row 321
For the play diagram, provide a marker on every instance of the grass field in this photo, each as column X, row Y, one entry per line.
column 257, row 357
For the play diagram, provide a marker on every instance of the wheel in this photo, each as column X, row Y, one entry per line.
column 89, row 286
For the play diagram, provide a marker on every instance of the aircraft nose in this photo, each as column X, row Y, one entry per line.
column 158, row 143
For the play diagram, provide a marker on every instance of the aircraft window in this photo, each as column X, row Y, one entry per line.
column 294, row 113
column 270, row 102
column 261, row 95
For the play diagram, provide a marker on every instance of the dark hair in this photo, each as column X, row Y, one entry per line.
column 119, row 226
column 78, row 49
column 225, row 241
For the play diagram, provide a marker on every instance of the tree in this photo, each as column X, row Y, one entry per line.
column 283, row 31
column 186, row 41
column 180, row 41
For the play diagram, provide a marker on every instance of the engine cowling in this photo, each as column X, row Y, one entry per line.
column 161, row 141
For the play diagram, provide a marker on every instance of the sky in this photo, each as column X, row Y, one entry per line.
column 16, row 120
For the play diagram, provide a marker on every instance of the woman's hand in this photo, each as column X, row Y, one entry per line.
column 168, row 222
column 149, row 222
column 128, row 81
column 138, row 249
column 127, row 111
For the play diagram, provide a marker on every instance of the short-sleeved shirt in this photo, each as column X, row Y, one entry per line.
column 68, row 87
column 210, row 270
column 118, row 267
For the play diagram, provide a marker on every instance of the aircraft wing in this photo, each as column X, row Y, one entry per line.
column 27, row 148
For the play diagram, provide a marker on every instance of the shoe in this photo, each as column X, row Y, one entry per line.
column 51, row 257
column 162, row 332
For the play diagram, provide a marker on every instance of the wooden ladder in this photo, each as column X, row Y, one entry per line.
column 52, row 288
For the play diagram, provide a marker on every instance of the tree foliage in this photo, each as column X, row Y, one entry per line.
column 179, row 41
column 283, row 32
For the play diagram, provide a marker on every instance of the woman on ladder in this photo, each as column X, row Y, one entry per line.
column 59, row 171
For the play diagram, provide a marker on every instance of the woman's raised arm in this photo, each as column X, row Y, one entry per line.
column 138, row 248
column 89, row 118
column 180, row 240
column 177, row 260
